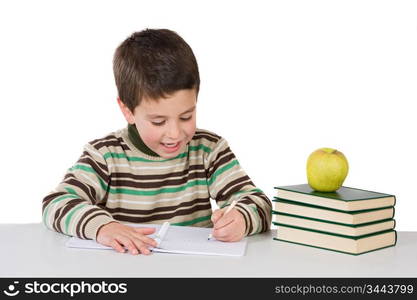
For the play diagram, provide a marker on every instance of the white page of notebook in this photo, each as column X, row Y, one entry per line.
column 178, row 239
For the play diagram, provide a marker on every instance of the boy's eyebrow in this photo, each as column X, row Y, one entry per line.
column 161, row 116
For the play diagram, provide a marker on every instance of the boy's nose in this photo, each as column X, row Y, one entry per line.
column 173, row 131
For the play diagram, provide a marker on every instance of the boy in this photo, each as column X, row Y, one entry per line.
column 160, row 168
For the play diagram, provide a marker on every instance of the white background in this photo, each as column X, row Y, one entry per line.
column 279, row 80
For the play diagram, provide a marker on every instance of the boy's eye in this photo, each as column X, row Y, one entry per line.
column 160, row 123
column 185, row 118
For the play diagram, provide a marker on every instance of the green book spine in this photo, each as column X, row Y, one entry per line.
column 335, row 234
column 343, row 194
column 276, row 199
column 331, row 222
column 353, row 238
column 355, row 254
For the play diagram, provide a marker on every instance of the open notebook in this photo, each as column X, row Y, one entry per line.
column 178, row 239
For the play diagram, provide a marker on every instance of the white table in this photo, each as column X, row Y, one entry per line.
column 31, row 250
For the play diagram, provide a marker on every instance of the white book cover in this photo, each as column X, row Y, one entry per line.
column 177, row 239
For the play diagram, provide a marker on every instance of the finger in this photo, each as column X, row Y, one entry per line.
column 143, row 242
column 143, row 248
column 217, row 214
column 145, row 230
column 220, row 235
column 149, row 241
column 127, row 243
column 137, row 234
column 235, row 237
column 116, row 246
column 224, row 233
column 228, row 237
column 224, row 220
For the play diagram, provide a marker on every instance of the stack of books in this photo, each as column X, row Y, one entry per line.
column 349, row 220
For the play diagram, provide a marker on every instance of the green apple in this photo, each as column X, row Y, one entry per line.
column 327, row 168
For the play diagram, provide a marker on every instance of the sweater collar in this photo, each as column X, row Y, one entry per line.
column 138, row 142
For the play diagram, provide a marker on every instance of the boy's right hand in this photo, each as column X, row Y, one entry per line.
column 119, row 237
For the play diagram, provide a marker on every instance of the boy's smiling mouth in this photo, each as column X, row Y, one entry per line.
column 171, row 147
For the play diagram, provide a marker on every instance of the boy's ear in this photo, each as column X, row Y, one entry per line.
column 126, row 112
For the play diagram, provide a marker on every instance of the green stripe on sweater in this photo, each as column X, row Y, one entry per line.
column 71, row 191
column 194, row 221
column 70, row 214
column 200, row 147
column 90, row 170
column 45, row 213
column 222, row 170
column 159, row 191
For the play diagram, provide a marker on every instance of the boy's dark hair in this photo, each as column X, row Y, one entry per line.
column 153, row 64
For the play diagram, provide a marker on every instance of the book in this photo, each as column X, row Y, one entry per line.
column 332, row 227
column 333, row 215
column 345, row 198
column 340, row 243
column 179, row 240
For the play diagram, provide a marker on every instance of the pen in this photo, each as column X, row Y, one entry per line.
column 161, row 233
column 227, row 211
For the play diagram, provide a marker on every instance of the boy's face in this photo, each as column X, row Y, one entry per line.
column 165, row 125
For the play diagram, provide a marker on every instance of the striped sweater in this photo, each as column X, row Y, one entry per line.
column 117, row 180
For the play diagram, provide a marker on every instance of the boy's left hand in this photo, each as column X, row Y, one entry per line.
column 228, row 227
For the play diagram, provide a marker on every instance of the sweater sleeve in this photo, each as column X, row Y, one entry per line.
column 73, row 208
column 228, row 181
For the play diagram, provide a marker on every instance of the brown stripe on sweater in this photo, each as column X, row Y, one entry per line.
column 262, row 216
column 221, row 153
column 266, row 215
column 265, row 198
column 247, row 200
column 158, row 209
column 219, row 162
column 211, row 134
column 56, row 215
column 49, row 198
column 101, row 213
column 244, row 218
column 183, row 212
column 248, row 219
column 113, row 143
column 100, row 165
column 86, row 188
column 89, row 162
column 234, row 186
column 103, row 139
column 109, row 141
column 200, row 136
column 261, row 212
column 80, row 222
column 156, row 184
column 106, row 196
column 158, row 176
column 64, row 210
column 124, row 146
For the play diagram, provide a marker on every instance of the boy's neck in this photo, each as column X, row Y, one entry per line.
column 138, row 142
